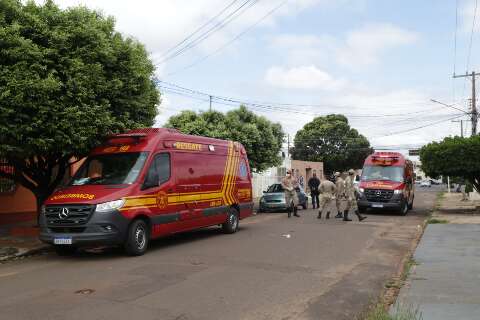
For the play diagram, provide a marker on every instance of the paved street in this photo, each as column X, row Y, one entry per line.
column 322, row 270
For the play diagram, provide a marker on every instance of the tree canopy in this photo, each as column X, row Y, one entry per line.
column 261, row 138
column 457, row 157
column 331, row 140
column 67, row 80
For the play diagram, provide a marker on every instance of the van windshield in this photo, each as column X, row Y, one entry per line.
column 107, row 169
column 382, row 173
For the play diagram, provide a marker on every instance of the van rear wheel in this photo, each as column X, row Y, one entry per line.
column 137, row 238
column 231, row 225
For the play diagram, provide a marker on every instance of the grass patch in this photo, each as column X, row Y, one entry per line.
column 399, row 313
column 408, row 267
column 436, row 221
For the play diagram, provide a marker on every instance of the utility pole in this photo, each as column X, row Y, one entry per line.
column 288, row 146
column 461, row 126
column 210, row 103
column 474, row 114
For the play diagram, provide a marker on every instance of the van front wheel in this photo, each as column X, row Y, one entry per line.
column 137, row 238
column 231, row 225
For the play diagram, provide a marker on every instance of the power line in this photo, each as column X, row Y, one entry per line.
column 420, row 127
column 272, row 105
column 199, row 28
column 471, row 35
column 218, row 26
column 251, row 27
column 455, row 47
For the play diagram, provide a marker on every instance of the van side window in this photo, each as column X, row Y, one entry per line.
column 159, row 170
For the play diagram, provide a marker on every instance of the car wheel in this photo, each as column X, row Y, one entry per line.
column 231, row 225
column 65, row 250
column 137, row 238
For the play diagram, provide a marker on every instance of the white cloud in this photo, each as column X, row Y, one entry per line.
column 303, row 77
column 359, row 48
column 364, row 47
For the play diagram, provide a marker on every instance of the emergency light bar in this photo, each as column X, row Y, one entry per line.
column 385, row 158
column 134, row 136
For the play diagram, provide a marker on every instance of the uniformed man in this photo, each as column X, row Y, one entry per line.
column 340, row 197
column 351, row 197
column 327, row 195
column 289, row 185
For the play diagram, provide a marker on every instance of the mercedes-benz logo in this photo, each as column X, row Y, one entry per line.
column 63, row 214
column 378, row 193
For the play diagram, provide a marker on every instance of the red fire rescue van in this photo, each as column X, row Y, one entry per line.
column 387, row 182
column 145, row 184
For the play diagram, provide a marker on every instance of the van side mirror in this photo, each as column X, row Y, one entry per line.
column 151, row 181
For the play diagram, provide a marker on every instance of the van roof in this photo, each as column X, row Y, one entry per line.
column 148, row 139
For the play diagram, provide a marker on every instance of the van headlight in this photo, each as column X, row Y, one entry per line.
column 110, row 205
column 399, row 191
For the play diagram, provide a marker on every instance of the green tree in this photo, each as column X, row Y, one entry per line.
column 261, row 138
column 331, row 140
column 67, row 80
column 457, row 157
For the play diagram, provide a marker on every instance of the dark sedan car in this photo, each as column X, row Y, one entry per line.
column 274, row 199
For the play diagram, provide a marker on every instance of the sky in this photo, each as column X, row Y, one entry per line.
column 378, row 62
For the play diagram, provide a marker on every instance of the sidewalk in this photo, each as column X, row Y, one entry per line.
column 18, row 240
column 444, row 282
column 452, row 203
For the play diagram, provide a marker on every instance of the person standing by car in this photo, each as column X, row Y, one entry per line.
column 327, row 191
column 289, row 185
column 351, row 197
column 340, row 197
column 313, row 184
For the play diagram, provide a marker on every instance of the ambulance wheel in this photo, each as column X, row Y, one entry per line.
column 137, row 238
column 231, row 225
column 404, row 209
column 65, row 250
column 410, row 205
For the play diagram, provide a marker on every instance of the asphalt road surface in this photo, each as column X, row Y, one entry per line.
column 273, row 268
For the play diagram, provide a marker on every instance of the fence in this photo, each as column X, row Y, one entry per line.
column 6, row 185
column 260, row 183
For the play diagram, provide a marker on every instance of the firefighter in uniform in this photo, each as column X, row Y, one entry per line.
column 351, row 197
column 327, row 195
column 289, row 185
column 340, row 198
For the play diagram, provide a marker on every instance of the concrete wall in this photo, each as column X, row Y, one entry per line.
column 306, row 169
column 21, row 200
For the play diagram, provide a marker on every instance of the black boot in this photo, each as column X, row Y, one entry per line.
column 345, row 216
column 328, row 215
column 289, row 211
column 319, row 215
column 359, row 216
column 339, row 215
column 295, row 212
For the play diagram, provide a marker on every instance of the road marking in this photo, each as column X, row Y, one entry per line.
column 8, row 274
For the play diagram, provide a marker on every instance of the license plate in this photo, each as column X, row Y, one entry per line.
column 62, row 240
column 377, row 205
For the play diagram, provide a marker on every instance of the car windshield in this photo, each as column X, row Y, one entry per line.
column 382, row 173
column 108, row 169
column 275, row 188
